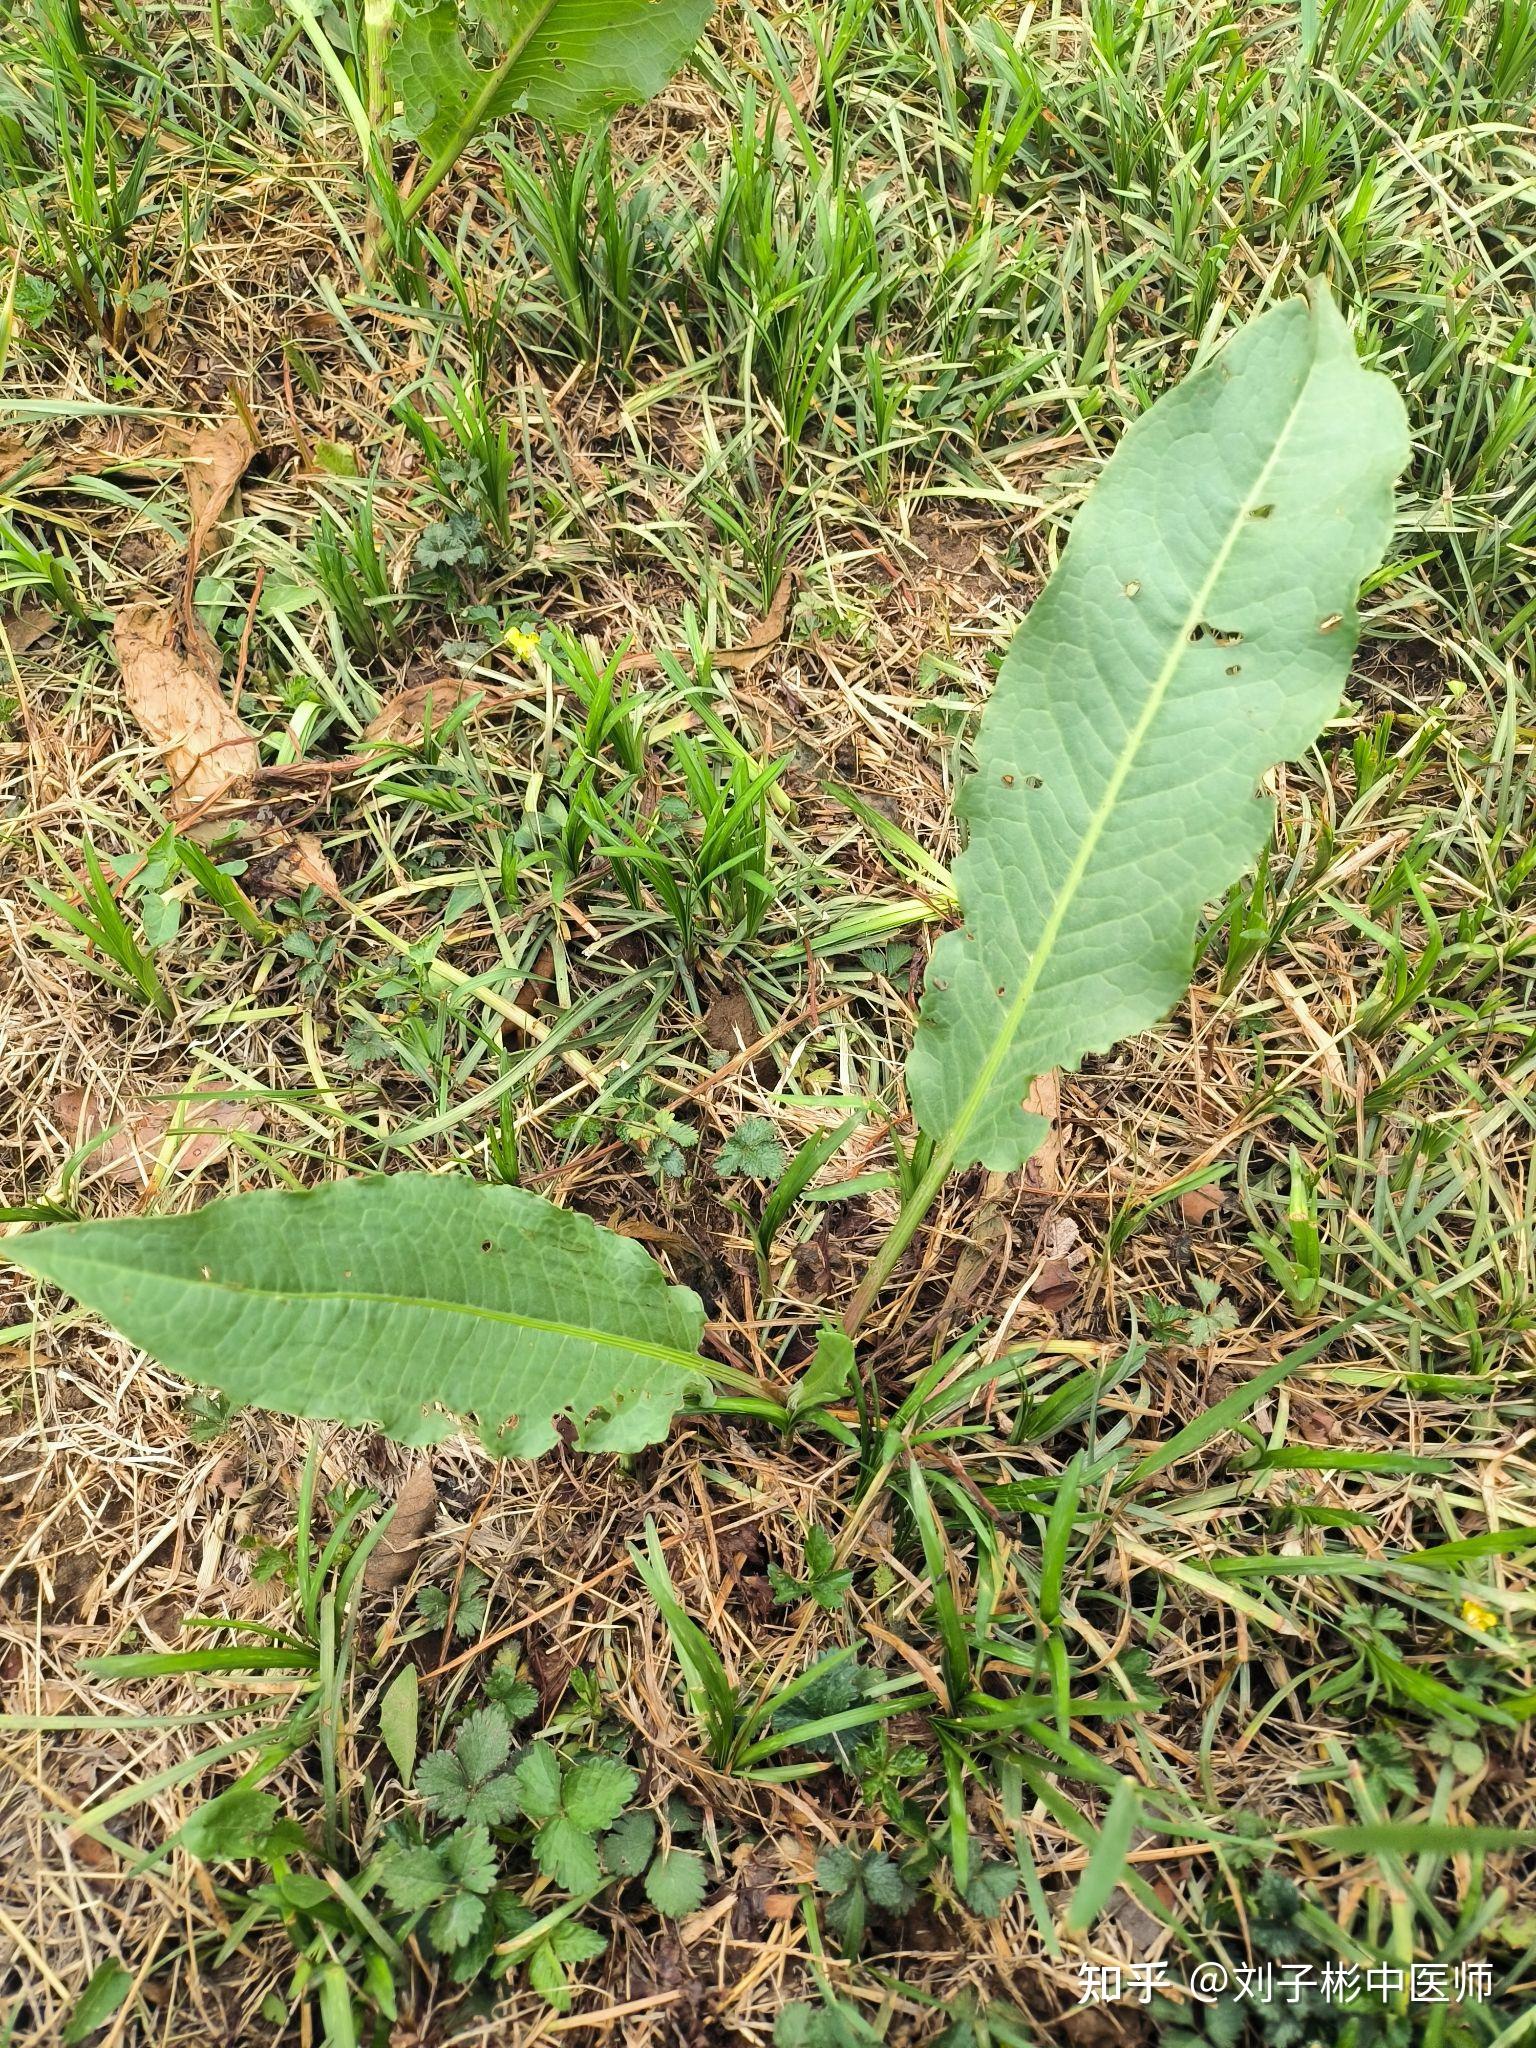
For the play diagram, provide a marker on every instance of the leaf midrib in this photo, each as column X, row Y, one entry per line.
column 1007, row 1031
column 634, row 1346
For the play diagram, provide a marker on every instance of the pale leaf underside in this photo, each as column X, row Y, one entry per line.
column 415, row 1304
column 1199, row 628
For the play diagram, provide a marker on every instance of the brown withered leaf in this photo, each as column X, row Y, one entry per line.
column 23, row 629
column 395, row 1554
column 1058, row 1282
column 404, row 716
column 137, row 1130
column 291, row 864
column 746, row 654
column 213, row 460
column 531, row 995
column 145, row 452
column 171, row 684
column 1201, row 1205
column 1043, row 1168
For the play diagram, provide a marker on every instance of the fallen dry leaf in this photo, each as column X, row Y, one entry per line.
column 89, row 1852
column 213, row 461
column 137, row 1130
column 1042, row 1169
column 404, row 716
column 147, row 453
column 803, row 90
column 1057, row 1282
column 25, row 628
column 295, row 862
column 746, row 654
column 1199, row 1205
column 395, row 1554
column 1325, row 1046
column 171, row 684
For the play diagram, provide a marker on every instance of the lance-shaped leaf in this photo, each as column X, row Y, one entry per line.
column 1199, row 628
column 415, row 1303
column 566, row 62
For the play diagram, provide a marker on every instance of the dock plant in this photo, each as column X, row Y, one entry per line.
column 1198, row 629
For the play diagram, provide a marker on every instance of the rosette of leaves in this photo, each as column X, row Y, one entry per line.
column 855, row 1884
column 1198, row 629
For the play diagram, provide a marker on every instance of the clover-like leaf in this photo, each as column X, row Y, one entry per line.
column 443, row 1784
column 568, row 1854
column 463, row 1783
column 537, row 1780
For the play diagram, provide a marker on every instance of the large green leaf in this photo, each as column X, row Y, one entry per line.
column 414, row 1303
column 566, row 62
column 1199, row 628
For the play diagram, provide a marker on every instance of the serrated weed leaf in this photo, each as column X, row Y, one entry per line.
column 537, row 1778
column 836, row 1868
column 470, row 1855
column 573, row 1943
column 482, row 1743
column 486, row 1801
column 596, row 1791
column 1199, row 628
column 568, row 1854
column 886, row 1883
column 751, row 1152
column 675, row 1883
column 415, row 1303
column 627, row 1850
column 411, row 1878
column 990, row 1889
column 443, row 1785
column 456, row 1921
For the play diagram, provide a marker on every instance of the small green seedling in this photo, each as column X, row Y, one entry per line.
column 823, row 1582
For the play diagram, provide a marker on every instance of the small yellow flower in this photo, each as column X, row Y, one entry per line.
column 1477, row 1615
column 523, row 644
